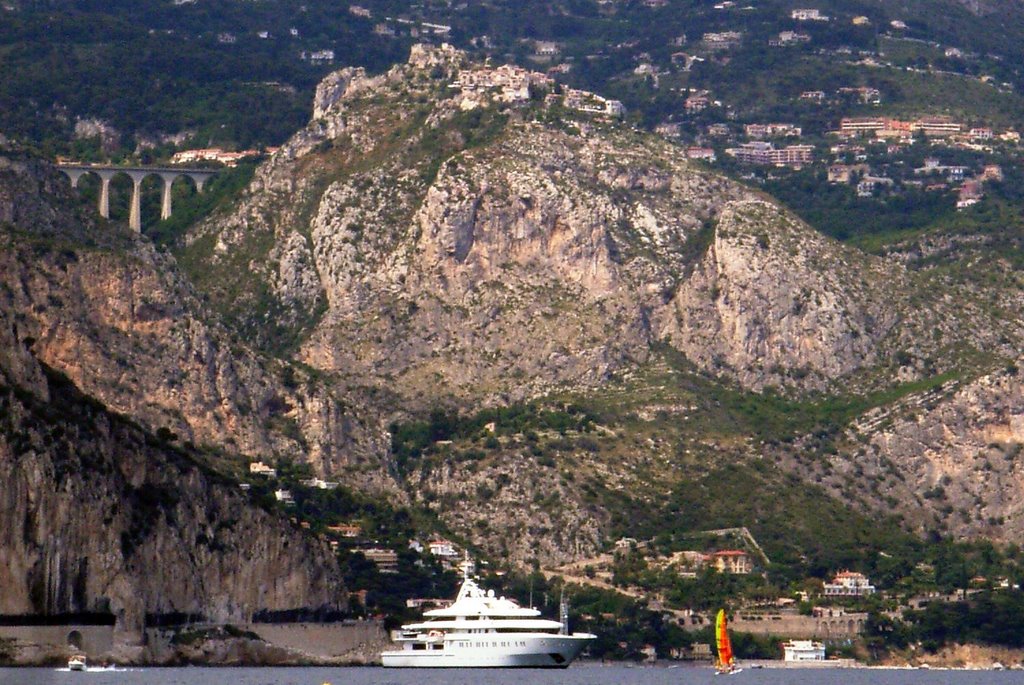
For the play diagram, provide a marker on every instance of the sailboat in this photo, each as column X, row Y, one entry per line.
column 726, row 662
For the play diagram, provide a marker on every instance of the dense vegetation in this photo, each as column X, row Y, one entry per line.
column 151, row 68
column 233, row 74
column 987, row 618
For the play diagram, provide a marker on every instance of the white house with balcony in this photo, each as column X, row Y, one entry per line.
column 445, row 549
column 849, row 584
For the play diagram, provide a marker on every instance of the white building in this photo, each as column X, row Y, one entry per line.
column 849, row 584
column 442, row 548
column 803, row 650
column 701, row 153
column 258, row 468
column 321, row 484
column 284, row 496
column 625, row 543
column 808, row 15
column 544, row 48
column 722, row 39
column 317, row 56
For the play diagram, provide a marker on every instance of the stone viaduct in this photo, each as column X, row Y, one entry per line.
column 137, row 174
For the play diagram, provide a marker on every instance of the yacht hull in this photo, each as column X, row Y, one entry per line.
column 549, row 651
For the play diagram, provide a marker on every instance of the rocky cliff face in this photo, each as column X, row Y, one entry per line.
column 109, row 311
column 412, row 247
column 946, row 460
column 101, row 517
column 500, row 254
column 98, row 514
column 513, row 507
column 434, row 248
column 773, row 302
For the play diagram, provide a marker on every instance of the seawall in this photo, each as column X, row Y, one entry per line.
column 355, row 642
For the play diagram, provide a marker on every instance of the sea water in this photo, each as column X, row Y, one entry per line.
column 577, row 674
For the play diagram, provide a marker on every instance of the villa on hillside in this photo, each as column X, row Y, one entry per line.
column 722, row 40
column 439, row 547
column 770, row 130
column 808, row 15
column 732, row 561
column 214, row 154
column 849, row 584
column 346, row 530
column 386, row 560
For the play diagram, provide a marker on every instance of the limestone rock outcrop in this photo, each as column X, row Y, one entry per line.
column 100, row 517
column 772, row 300
column 101, row 345
column 498, row 254
column 113, row 314
column 947, row 460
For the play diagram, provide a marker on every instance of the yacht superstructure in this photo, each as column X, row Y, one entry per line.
column 481, row 630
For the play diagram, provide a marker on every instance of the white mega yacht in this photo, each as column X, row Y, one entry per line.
column 480, row 630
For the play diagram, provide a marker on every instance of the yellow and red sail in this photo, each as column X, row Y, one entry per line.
column 725, row 657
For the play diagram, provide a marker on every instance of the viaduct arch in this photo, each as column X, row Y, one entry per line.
column 137, row 174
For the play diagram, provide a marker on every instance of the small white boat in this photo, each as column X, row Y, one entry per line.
column 76, row 663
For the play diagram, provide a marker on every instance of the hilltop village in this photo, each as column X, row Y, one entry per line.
column 876, row 157
column 877, row 134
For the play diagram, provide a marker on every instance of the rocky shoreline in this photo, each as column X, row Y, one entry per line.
column 356, row 643
column 969, row 656
column 242, row 651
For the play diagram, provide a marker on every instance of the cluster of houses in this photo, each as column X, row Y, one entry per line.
column 386, row 560
column 259, row 468
column 844, row 583
column 733, row 561
column 216, row 154
column 507, row 83
column 764, row 148
column 511, row 84
column 400, row 26
column 450, row 556
column 933, row 175
column 902, row 131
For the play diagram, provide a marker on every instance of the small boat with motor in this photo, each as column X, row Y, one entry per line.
column 76, row 663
